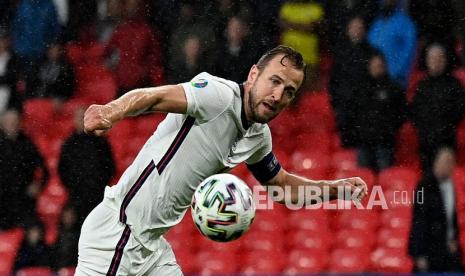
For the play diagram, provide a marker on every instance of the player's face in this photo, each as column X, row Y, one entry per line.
column 272, row 89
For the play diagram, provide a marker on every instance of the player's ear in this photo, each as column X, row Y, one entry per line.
column 253, row 74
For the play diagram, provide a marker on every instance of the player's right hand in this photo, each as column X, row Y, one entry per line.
column 96, row 119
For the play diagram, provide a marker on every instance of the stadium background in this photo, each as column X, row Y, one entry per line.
column 305, row 136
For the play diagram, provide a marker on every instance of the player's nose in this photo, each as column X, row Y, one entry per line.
column 278, row 94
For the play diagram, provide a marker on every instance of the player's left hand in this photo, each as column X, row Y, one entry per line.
column 355, row 185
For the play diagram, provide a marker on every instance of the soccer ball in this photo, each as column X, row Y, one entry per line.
column 223, row 207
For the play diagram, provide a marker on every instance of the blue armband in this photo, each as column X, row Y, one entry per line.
column 265, row 169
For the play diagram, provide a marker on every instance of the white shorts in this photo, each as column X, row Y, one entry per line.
column 107, row 247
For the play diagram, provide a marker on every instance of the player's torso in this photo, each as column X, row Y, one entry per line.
column 171, row 164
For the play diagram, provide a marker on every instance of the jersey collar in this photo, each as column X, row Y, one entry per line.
column 245, row 123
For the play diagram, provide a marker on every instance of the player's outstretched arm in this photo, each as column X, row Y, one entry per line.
column 169, row 98
column 294, row 187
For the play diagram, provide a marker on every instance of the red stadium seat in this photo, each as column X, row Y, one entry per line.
column 460, row 75
column 215, row 262
column 310, row 159
column 80, row 54
column 313, row 141
column 67, row 271
column 344, row 160
column 185, row 259
column 10, row 241
column 415, row 77
column 306, row 261
column 262, row 262
column 314, row 113
column 355, row 239
column 393, row 239
column 146, row 125
column 398, row 179
column 461, row 143
column 360, row 220
column 308, row 220
column 38, row 116
column 310, row 240
column 35, row 271
column 391, row 261
column 349, row 261
column 263, row 241
column 397, row 219
column 269, row 221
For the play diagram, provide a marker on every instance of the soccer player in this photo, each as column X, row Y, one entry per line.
column 213, row 125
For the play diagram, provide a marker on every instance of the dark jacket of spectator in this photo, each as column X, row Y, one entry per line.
column 380, row 111
column 86, row 166
column 33, row 252
column 338, row 14
column 349, row 70
column 66, row 247
column 189, row 63
column 19, row 160
column 235, row 56
column 55, row 78
column 434, row 19
column 428, row 238
column 436, row 110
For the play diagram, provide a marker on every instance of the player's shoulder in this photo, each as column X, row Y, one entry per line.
column 261, row 130
column 205, row 79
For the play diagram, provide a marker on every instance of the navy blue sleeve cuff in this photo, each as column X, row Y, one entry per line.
column 265, row 169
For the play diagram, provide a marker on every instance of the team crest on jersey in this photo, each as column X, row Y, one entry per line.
column 199, row 83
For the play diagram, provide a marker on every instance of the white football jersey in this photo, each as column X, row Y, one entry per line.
column 155, row 191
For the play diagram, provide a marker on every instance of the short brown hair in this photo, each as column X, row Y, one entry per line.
column 288, row 53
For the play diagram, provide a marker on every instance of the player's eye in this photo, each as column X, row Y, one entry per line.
column 275, row 81
column 290, row 93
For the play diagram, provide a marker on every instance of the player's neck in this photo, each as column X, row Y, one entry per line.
column 245, row 114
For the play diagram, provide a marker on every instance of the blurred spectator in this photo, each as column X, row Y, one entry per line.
column 82, row 14
column 19, row 163
column 35, row 25
column 164, row 15
column 349, row 69
column 265, row 27
column 192, row 62
column 438, row 105
column 189, row 25
column 137, row 49
column 33, row 251
column 55, row 78
column 109, row 20
column 9, row 97
column 224, row 10
column 300, row 20
column 235, row 55
column 434, row 243
column 380, row 112
column 6, row 13
column 65, row 250
column 394, row 34
column 85, row 167
column 339, row 12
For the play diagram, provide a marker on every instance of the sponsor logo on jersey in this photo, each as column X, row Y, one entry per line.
column 199, row 83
